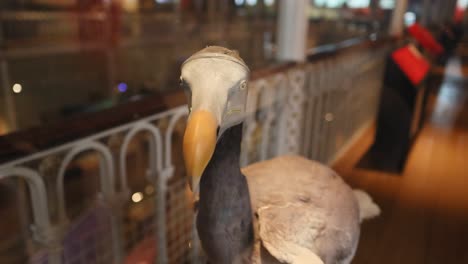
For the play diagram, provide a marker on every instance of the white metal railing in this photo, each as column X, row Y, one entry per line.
column 312, row 109
column 51, row 235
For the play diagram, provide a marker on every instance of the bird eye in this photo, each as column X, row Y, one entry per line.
column 243, row 85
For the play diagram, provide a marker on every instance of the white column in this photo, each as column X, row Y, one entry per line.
column 292, row 30
column 397, row 23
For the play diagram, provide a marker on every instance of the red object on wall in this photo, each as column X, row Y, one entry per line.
column 425, row 38
column 412, row 63
column 458, row 15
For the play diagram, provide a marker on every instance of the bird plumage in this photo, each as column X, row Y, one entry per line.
column 303, row 207
column 290, row 206
column 225, row 218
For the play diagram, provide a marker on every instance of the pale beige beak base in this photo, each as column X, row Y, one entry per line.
column 199, row 145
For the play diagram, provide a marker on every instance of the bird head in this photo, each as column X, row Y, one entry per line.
column 215, row 82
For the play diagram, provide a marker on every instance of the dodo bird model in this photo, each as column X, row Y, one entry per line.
column 285, row 210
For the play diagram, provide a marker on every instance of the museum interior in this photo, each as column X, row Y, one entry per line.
column 233, row 131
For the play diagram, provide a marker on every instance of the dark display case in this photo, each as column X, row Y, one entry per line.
column 401, row 110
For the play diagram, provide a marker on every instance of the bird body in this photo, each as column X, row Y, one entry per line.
column 285, row 210
column 275, row 211
column 304, row 207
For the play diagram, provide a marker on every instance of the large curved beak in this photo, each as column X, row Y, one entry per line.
column 199, row 145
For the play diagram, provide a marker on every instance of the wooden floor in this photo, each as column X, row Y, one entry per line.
column 425, row 209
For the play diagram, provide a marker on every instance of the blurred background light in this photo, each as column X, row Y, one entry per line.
column 17, row 88
column 130, row 5
column 137, row 197
column 410, row 18
column 335, row 3
column 387, row 4
column 251, row 2
column 320, row 3
column 358, row 3
column 122, row 87
column 149, row 189
column 462, row 3
column 269, row 2
column 239, row 2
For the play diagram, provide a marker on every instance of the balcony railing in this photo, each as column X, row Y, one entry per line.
column 119, row 196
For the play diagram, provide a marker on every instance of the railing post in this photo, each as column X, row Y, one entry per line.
column 107, row 189
column 161, row 191
column 164, row 176
column 293, row 119
column 311, row 92
column 250, row 123
column 112, row 201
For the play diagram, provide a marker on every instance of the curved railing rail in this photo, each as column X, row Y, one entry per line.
column 313, row 108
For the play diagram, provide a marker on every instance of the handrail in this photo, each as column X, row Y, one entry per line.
column 42, row 137
column 67, row 145
column 324, row 51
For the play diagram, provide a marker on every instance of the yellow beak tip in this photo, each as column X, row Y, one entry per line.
column 199, row 144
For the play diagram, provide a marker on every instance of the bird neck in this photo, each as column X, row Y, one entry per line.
column 223, row 175
column 224, row 206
